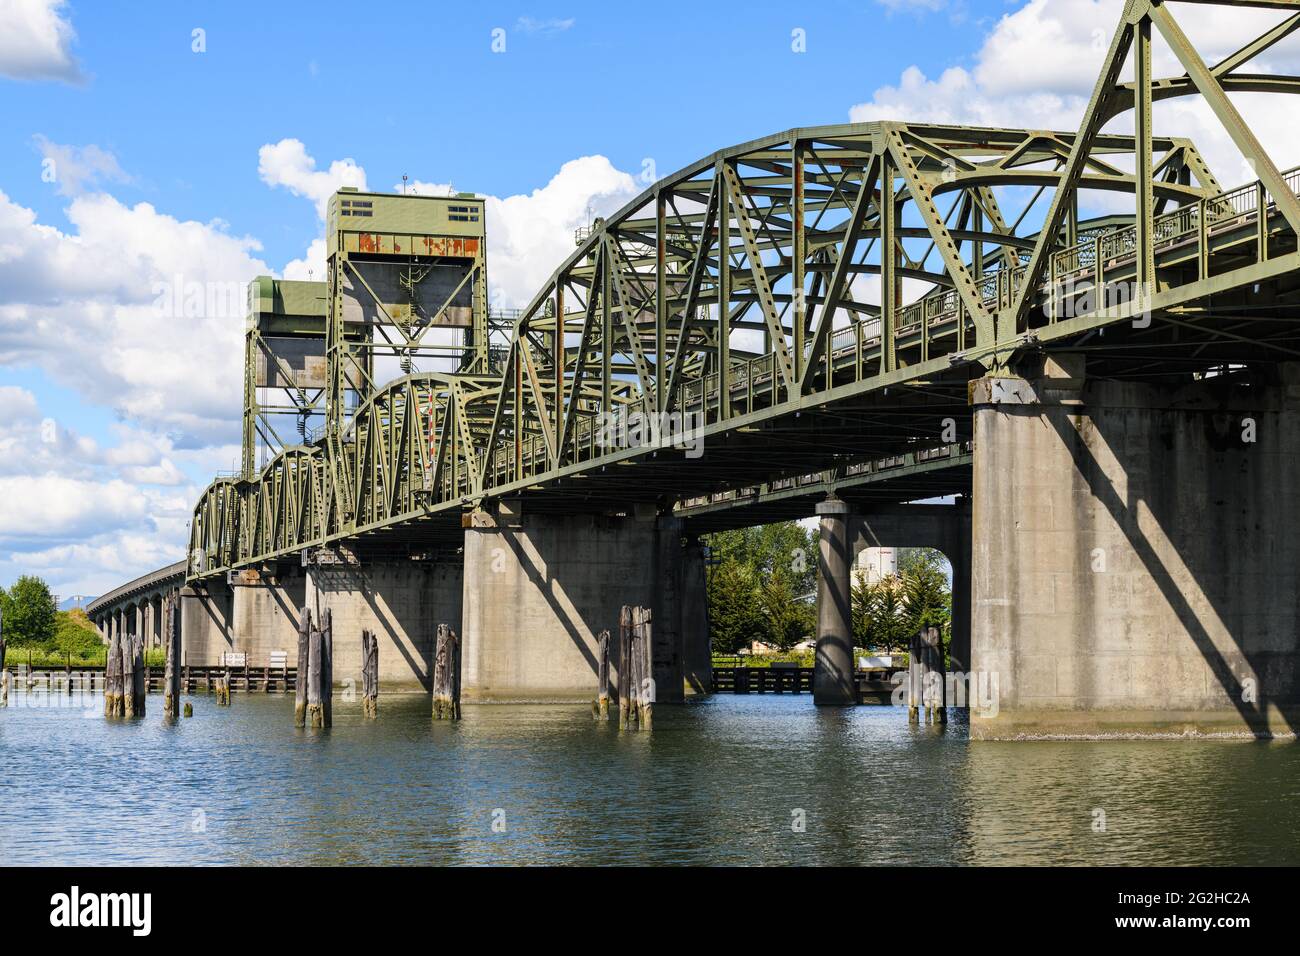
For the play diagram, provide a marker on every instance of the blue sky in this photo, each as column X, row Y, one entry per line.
column 212, row 166
column 417, row 89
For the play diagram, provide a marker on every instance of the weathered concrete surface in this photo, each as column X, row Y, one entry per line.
column 1135, row 560
column 265, row 617
column 539, row 588
column 207, row 617
column 403, row 602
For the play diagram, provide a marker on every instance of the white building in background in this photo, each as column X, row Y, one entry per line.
column 877, row 563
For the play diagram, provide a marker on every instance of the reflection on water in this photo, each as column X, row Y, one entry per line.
column 718, row 781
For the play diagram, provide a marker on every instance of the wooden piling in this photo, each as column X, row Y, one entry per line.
column 446, row 675
column 914, row 677
column 304, row 668
column 646, row 690
column 440, row 669
column 126, row 652
column 600, row 709
column 139, row 677
column 109, row 658
column 327, row 667
column 933, row 675
column 4, row 674
column 172, row 673
column 455, row 674
column 633, row 667
column 315, row 710
column 189, row 709
column 624, row 666
column 369, row 674
column 113, row 677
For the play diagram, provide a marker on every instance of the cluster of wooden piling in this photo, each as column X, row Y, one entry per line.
column 636, row 685
column 446, row 675
column 315, row 670
column 926, row 676
column 124, row 677
column 369, row 674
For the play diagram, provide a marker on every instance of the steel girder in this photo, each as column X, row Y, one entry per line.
column 780, row 277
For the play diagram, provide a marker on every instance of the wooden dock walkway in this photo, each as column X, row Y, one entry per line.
column 249, row 679
column 874, row 687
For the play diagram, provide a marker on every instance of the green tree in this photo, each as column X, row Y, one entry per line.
column 758, row 585
column 879, row 614
column 789, row 620
column 783, row 546
column 735, row 615
column 892, row 624
column 29, row 613
column 911, row 559
column 864, row 597
column 927, row 600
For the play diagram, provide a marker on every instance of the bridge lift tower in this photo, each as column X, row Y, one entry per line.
column 405, row 292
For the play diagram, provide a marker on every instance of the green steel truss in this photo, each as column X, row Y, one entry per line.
column 829, row 286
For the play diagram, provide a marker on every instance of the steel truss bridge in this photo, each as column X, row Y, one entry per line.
column 812, row 306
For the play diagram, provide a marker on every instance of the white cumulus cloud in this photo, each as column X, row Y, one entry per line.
column 530, row 234
column 125, row 308
column 1038, row 65
column 36, row 41
column 287, row 164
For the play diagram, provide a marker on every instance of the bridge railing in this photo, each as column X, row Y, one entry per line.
column 997, row 288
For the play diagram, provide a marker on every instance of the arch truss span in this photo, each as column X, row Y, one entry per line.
column 848, row 274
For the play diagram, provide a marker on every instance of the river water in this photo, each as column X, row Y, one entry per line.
column 726, row 780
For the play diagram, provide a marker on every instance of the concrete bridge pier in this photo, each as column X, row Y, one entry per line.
column 1136, row 554
column 207, row 621
column 401, row 601
column 833, row 683
column 264, row 613
column 539, row 588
